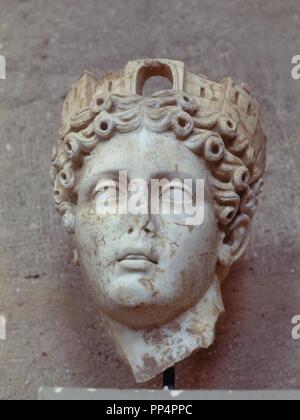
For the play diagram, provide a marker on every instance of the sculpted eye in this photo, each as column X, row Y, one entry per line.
column 177, row 192
column 106, row 190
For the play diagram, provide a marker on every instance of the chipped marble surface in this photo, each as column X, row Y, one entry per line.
column 50, row 342
column 154, row 272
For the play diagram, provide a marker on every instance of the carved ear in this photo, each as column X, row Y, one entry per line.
column 78, row 99
column 235, row 241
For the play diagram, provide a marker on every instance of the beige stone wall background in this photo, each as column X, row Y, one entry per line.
column 54, row 336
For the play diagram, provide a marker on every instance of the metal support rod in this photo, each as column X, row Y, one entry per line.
column 169, row 379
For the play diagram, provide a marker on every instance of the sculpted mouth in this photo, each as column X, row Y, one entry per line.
column 138, row 257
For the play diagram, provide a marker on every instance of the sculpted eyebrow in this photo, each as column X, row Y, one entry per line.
column 89, row 186
column 170, row 176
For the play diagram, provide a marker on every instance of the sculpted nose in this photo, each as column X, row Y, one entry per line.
column 146, row 225
column 149, row 227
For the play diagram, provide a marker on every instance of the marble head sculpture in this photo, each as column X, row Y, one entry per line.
column 157, row 278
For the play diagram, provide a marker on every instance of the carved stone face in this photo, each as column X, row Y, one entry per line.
column 157, row 276
column 144, row 269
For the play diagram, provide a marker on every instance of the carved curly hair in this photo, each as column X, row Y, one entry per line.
column 225, row 146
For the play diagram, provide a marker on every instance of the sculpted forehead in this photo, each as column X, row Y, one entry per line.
column 144, row 154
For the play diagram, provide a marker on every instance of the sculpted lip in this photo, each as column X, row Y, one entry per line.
column 138, row 257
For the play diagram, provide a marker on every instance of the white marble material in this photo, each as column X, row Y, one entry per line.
column 157, row 276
